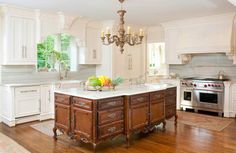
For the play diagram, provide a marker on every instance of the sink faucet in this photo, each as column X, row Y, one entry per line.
column 61, row 77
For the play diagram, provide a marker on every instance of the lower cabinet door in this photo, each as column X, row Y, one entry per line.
column 82, row 123
column 157, row 112
column 62, row 117
column 139, row 115
column 27, row 106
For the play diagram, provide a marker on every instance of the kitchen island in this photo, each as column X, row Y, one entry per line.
column 95, row 116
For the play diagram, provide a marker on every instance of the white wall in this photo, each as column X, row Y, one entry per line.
column 155, row 34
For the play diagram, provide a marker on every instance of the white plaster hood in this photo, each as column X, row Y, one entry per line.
column 205, row 35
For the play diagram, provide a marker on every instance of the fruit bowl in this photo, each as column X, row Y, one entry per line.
column 102, row 83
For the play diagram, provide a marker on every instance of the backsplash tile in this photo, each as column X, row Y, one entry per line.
column 206, row 65
column 19, row 74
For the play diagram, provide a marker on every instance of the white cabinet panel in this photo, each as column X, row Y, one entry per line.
column 27, row 106
column 47, row 103
column 91, row 54
column 27, row 101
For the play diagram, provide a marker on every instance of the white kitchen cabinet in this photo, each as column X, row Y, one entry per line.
column 91, row 52
column 19, row 104
column 47, row 102
column 19, row 36
column 232, row 105
column 130, row 64
column 171, row 43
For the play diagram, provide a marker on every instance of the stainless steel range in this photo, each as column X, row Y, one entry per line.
column 203, row 94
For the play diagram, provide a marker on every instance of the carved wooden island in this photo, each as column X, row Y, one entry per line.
column 93, row 117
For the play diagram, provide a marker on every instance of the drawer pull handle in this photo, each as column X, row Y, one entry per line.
column 140, row 99
column 81, row 104
column 112, row 103
column 158, row 96
column 111, row 130
column 26, row 91
column 112, row 116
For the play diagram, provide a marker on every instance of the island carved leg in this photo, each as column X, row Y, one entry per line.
column 127, row 140
column 55, row 133
column 164, row 125
column 176, row 118
column 94, row 147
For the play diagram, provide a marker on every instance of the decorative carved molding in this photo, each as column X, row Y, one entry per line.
column 185, row 57
column 66, row 22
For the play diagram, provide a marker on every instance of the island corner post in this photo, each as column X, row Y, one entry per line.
column 96, row 120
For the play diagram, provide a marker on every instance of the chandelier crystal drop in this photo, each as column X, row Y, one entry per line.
column 123, row 37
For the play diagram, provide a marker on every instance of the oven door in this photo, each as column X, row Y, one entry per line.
column 187, row 97
column 209, row 99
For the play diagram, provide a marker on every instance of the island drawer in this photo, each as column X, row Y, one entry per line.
column 171, row 100
column 109, row 116
column 82, row 103
column 110, row 103
column 171, row 91
column 157, row 95
column 137, row 99
column 63, row 99
column 110, row 129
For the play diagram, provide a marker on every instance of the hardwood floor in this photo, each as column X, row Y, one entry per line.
column 182, row 139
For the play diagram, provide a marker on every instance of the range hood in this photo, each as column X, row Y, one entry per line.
column 206, row 35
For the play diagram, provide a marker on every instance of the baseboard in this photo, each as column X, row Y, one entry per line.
column 46, row 116
column 27, row 119
column 5, row 120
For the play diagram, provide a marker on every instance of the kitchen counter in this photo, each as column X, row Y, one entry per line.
column 38, row 83
column 120, row 91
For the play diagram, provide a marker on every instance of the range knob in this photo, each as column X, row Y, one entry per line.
column 194, row 85
column 205, row 85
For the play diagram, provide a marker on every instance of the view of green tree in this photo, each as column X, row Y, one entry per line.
column 47, row 55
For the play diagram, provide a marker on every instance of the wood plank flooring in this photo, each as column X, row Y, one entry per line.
column 182, row 139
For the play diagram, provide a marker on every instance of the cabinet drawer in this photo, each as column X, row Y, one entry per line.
column 170, row 111
column 110, row 103
column 82, row 103
column 111, row 129
column 63, row 99
column 137, row 99
column 106, row 117
column 171, row 100
column 171, row 92
column 27, row 91
column 157, row 95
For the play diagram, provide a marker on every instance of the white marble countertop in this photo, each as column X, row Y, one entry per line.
column 120, row 91
column 39, row 83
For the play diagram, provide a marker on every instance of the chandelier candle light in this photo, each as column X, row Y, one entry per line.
column 123, row 37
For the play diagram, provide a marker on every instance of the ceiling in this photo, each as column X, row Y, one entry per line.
column 141, row 12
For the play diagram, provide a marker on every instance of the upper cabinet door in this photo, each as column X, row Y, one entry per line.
column 15, row 45
column 19, row 37
column 30, row 49
column 91, row 53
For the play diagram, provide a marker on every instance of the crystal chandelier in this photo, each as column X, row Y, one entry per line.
column 123, row 37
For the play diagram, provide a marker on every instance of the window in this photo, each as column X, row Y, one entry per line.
column 156, row 59
column 57, row 52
